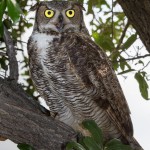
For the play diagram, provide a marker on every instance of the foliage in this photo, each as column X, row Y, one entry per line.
column 96, row 140
column 140, row 77
column 13, row 15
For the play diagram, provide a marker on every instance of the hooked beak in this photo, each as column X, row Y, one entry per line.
column 60, row 23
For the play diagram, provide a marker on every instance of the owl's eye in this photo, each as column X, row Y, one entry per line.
column 70, row 13
column 49, row 13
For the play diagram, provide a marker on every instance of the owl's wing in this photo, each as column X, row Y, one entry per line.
column 94, row 69
column 36, row 71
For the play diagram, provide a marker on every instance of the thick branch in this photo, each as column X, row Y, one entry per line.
column 138, row 13
column 22, row 121
column 13, row 64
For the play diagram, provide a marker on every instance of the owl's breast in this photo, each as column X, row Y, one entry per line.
column 52, row 55
column 69, row 90
column 44, row 47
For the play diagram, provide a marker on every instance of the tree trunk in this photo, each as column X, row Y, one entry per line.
column 22, row 121
column 138, row 13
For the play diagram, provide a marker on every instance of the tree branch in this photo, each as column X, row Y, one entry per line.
column 13, row 64
column 2, row 54
column 134, row 58
column 112, row 16
column 138, row 13
column 122, row 36
column 121, row 40
column 22, row 121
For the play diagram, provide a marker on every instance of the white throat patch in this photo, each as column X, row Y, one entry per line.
column 43, row 40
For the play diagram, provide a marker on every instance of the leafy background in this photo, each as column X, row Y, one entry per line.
column 109, row 27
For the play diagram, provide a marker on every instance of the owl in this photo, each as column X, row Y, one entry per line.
column 73, row 74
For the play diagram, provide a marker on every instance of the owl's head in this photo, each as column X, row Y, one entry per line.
column 59, row 17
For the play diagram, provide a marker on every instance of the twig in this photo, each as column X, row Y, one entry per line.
column 145, row 66
column 18, row 49
column 112, row 20
column 13, row 65
column 134, row 58
column 121, row 39
column 122, row 36
column 21, row 41
column 2, row 54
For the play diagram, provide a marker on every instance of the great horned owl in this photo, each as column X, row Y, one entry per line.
column 73, row 74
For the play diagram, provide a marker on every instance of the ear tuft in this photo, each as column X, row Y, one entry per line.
column 33, row 8
column 79, row 5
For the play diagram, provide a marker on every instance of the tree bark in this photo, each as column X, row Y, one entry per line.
column 138, row 13
column 13, row 64
column 22, row 121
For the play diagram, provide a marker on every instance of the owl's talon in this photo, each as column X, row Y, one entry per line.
column 47, row 112
column 53, row 114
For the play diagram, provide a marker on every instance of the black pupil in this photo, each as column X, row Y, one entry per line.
column 49, row 12
column 70, row 12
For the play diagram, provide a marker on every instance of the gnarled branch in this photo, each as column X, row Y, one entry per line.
column 22, row 121
column 13, row 64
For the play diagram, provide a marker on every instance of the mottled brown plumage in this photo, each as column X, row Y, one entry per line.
column 74, row 75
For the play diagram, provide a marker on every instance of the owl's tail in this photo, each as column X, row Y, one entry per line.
column 134, row 144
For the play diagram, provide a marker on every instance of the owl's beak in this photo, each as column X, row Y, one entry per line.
column 60, row 23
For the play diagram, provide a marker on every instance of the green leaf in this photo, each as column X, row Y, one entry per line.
column 129, row 41
column 115, row 144
column 24, row 147
column 73, row 145
column 7, row 23
column 123, row 63
column 90, row 144
column 140, row 62
column 2, row 8
column 1, row 29
column 90, row 4
column 3, row 63
column 115, row 66
column 104, row 2
column 29, row 25
column 81, row 1
column 95, row 131
column 14, row 10
column 126, row 71
column 103, row 41
column 143, row 86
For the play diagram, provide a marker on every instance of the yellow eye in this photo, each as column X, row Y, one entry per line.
column 70, row 13
column 49, row 13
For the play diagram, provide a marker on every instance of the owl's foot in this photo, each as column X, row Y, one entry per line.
column 47, row 112
column 53, row 114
